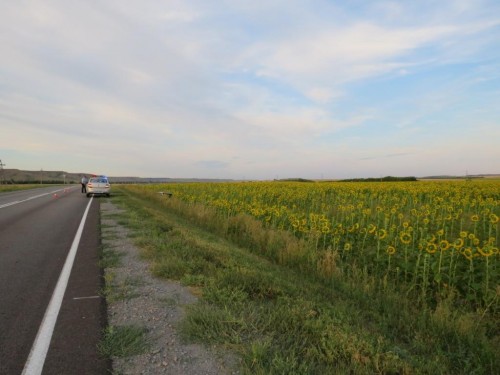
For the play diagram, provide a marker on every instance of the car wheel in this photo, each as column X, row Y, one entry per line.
column 88, row 195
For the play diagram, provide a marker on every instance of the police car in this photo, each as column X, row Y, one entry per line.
column 98, row 186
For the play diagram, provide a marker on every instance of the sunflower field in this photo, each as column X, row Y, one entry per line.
column 429, row 238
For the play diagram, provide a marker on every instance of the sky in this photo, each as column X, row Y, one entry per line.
column 251, row 89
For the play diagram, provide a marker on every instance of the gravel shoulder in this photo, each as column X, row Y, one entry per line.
column 158, row 306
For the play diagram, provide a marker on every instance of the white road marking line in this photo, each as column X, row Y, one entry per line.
column 90, row 297
column 30, row 198
column 9, row 204
column 36, row 358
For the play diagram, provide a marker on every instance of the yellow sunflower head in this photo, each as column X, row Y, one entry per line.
column 467, row 252
column 431, row 248
column 487, row 251
column 405, row 238
column 382, row 233
column 458, row 243
column 444, row 245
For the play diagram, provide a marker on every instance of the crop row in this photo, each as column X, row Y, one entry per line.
column 429, row 237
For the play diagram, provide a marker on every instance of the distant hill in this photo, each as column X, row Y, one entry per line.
column 470, row 176
column 17, row 176
column 162, row 180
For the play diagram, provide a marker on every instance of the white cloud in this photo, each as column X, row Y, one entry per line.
column 323, row 94
column 344, row 54
column 292, row 123
column 280, row 86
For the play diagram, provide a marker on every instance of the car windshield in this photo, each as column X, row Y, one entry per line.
column 99, row 180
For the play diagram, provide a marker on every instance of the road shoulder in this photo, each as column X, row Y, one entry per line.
column 157, row 305
column 82, row 317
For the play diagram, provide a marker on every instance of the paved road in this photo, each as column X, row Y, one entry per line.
column 37, row 231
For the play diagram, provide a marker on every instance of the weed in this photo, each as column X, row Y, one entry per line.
column 123, row 341
column 109, row 258
column 119, row 290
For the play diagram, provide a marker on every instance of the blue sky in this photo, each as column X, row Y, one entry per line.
column 249, row 89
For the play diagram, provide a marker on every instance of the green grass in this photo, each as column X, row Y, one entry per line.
column 119, row 290
column 6, row 188
column 123, row 341
column 282, row 320
column 109, row 258
column 116, row 289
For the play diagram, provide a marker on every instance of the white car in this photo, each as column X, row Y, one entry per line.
column 98, row 186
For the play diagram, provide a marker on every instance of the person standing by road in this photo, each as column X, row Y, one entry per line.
column 84, row 184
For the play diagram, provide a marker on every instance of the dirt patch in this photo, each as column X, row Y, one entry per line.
column 156, row 305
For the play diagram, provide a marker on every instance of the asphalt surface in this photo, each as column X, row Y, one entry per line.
column 37, row 229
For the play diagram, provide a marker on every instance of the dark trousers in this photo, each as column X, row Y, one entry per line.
column 84, row 188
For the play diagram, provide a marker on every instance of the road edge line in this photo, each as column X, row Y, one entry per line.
column 38, row 353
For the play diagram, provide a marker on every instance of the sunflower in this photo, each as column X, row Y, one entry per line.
column 490, row 241
column 405, row 238
column 458, row 243
column 353, row 228
column 463, row 234
column 467, row 252
column 382, row 233
column 372, row 228
column 487, row 251
column 391, row 250
column 431, row 248
column 493, row 219
column 347, row 246
column 475, row 218
column 444, row 245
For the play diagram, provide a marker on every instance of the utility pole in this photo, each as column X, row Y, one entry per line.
column 1, row 171
column 41, row 176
